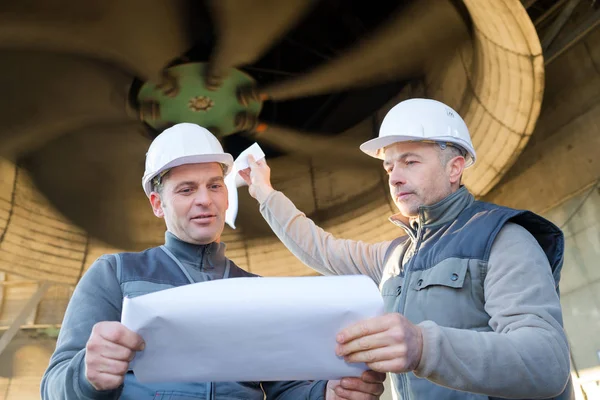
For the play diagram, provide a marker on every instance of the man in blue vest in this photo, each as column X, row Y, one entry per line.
column 184, row 181
column 471, row 290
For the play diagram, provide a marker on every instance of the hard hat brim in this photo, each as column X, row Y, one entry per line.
column 225, row 159
column 375, row 146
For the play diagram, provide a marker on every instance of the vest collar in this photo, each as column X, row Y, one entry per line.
column 440, row 213
column 201, row 256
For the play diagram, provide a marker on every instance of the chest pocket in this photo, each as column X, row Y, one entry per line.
column 450, row 273
column 441, row 294
column 391, row 291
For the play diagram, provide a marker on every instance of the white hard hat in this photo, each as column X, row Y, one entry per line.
column 422, row 120
column 182, row 144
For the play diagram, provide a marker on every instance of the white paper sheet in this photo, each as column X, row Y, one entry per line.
column 233, row 180
column 249, row 329
column 242, row 161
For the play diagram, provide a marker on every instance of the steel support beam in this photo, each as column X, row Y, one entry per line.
column 23, row 315
column 16, row 283
column 2, row 290
column 558, row 23
column 32, row 327
column 568, row 41
column 549, row 12
column 528, row 3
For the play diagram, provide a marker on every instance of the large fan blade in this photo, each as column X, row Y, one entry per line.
column 46, row 95
column 322, row 149
column 94, row 178
column 424, row 33
column 245, row 29
column 141, row 37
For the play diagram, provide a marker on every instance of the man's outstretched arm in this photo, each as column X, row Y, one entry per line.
column 316, row 248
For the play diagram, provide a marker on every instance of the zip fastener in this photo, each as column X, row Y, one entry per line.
column 402, row 305
column 210, row 390
column 205, row 253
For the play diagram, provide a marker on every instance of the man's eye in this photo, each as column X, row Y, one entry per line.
column 216, row 186
column 410, row 162
column 185, row 190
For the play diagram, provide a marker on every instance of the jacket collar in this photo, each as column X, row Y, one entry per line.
column 440, row 213
column 201, row 256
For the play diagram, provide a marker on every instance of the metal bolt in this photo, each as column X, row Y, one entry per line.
column 213, row 82
column 169, row 84
column 245, row 121
column 247, row 94
column 149, row 110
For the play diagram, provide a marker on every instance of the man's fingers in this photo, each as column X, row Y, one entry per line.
column 396, row 365
column 104, row 381
column 245, row 174
column 377, row 355
column 358, row 385
column 364, row 328
column 368, row 386
column 252, row 162
column 372, row 341
column 112, row 367
column 119, row 334
column 373, row 377
column 346, row 394
column 110, row 350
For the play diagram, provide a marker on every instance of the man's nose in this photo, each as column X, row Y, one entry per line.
column 202, row 198
column 397, row 177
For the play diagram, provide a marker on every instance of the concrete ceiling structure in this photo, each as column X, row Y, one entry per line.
column 73, row 142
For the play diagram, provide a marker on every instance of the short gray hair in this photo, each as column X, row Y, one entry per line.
column 448, row 152
column 158, row 182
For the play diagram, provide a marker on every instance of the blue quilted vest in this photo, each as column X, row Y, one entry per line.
column 454, row 255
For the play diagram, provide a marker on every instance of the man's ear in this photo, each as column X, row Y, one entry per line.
column 156, row 203
column 456, row 167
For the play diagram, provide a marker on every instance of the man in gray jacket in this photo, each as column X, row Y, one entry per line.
column 471, row 290
column 184, row 180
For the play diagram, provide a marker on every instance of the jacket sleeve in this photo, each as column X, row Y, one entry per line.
column 295, row 390
column 318, row 249
column 96, row 298
column 526, row 355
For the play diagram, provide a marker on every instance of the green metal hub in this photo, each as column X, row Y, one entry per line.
column 183, row 96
